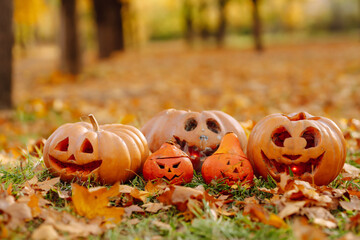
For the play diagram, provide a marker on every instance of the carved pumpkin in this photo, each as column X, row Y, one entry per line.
column 228, row 163
column 313, row 148
column 109, row 153
column 198, row 134
column 169, row 163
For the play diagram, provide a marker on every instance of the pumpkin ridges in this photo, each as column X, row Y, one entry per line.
column 118, row 164
column 330, row 142
column 120, row 155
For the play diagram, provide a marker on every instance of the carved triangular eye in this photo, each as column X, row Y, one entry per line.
column 161, row 166
column 86, row 146
column 228, row 163
column 176, row 165
column 63, row 145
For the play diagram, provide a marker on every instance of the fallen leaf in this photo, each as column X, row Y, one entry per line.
column 320, row 216
column 133, row 208
column 154, row 207
column 161, row 225
column 44, row 232
column 91, row 203
column 291, row 208
column 353, row 204
column 304, row 231
column 34, row 205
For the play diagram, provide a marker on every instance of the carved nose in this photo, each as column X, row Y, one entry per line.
column 295, row 143
column 203, row 137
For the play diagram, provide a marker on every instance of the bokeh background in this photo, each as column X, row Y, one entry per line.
column 126, row 60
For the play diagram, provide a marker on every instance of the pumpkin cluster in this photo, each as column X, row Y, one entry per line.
column 307, row 147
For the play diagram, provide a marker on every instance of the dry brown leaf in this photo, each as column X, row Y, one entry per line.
column 161, row 225
column 320, row 216
column 258, row 213
column 350, row 171
column 304, row 231
column 95, row 202
column 154, row 207
column 45, row 232
column 353, row 204
column 291, row 208
column 47, row 185
column 178, row 196
column 133, row 208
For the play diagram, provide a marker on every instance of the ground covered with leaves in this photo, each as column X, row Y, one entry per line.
column 321, row 78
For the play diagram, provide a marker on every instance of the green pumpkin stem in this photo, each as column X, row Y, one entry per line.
column 94, row 122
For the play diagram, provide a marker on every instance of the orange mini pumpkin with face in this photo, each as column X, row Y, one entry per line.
column 228, row 163
column 197, row 133
column 169, row 163
column 109, row 153
column 312, row 148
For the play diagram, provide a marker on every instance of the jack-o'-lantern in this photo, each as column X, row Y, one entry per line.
column 312, row 148
column 108, row 153
column 169, row 163
column 228, row 163
column 198, row 134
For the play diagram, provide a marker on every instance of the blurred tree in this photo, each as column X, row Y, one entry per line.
column 189, row 21
column 257, row 26
column 70, row 54
column 221, row 30
column 109, row 26
column 6, row 43
column 204, row 19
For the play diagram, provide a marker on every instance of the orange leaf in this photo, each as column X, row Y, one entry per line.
column 94, row 202
column 34, row 205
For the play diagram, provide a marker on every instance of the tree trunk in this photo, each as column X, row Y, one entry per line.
column 257, row 26
column 109, row 26
column 6, row 43
column 189, row 22
column 70, row 53
column 220, row 34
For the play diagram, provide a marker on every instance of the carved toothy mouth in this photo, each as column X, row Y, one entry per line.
column 194, row 152
column 73, row 168
column 173, row 177
column 298, row 169
column 242, row 179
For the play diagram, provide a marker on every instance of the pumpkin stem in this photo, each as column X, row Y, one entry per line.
column 94, row 122
column 230, row 144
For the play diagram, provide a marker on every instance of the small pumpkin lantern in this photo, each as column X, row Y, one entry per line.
column 109, row 153
column 169, row 163
column 312, row 148
column 198, row 134
column 228, row 163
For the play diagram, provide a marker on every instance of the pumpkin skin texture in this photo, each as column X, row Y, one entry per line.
column 197, row 133
column 228, row 163
column 109, row 153
column 169, row 163
column 313, row 148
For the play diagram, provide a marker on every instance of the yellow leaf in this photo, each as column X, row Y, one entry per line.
column 94, row 202
column 276, row 221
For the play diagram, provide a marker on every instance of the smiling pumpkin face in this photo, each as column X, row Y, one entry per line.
column 197, row 133
column 109, row 153
column 312, row 148
column 170, row 164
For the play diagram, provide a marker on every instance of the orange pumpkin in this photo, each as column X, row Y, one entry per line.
column 169, row 163
column 228, row 163
column 313, row 148
column 198, row 134
column 109, row 153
